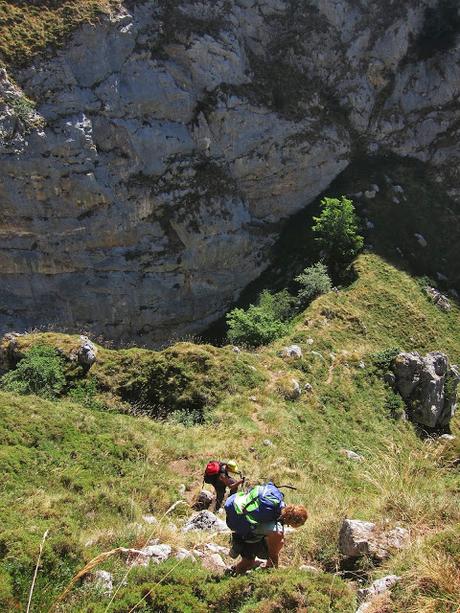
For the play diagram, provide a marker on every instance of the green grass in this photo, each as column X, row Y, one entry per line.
column 88, row 473
column 28, row 27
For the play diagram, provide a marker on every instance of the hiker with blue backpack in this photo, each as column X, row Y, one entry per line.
column 257, row 520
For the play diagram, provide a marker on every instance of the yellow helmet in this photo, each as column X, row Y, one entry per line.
column 232, row 466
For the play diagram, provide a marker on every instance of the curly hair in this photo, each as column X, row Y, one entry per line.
column 294, row 515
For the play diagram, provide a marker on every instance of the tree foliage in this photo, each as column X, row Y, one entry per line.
column 41, row 372
column 336, row 231
column 262, row 323
column 313, row 282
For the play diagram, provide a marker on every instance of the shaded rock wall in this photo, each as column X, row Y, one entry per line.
column 178, row 136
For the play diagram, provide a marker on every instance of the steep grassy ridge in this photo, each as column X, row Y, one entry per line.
column 89, row 474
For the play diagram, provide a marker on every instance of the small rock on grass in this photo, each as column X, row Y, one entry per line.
column 308, row 568
column 352, row 455
column 184, row 554
column 102, row 579
column 378, row 587
column 293, row 351
column 150, row 519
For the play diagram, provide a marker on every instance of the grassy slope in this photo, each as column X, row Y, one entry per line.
column 90, row 475
column 27, row 27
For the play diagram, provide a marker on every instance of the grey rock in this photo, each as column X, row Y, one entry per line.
column 214, row 563
column 378, row 587
column 267, row 442
column 86, row 353
column 354, row 537
column 421, row 240
column 421, row 381
column 360, row 538
column 184, row 554
column 390, row 378
column 370, row 194
column 203, row 500
column 236, row 350
column 447, row 437
column 293, row 351
column 308, row 387
column 150, row 519
column 441, row 301
column 352, row 455
column 213, row 548
column 205, row 520
column 309, row 569
column 103, row 580
column 296, row 389
column 156, row 553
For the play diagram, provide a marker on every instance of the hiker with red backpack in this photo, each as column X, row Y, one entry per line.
column 221, row 475
column 257, row 520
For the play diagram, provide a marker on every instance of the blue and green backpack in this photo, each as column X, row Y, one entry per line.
column 262, row 503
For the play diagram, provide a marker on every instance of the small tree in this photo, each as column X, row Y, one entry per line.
column 254, row 327
column 336, row 231
column 40, row 372
column 313, row 282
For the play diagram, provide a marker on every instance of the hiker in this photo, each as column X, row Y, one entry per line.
column 221, row 475
column 257, row 520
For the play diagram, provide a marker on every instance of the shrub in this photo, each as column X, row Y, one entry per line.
column 313, row 282
column 336, row 231
column 383, row 360
column 85, row 393
column 280, row 304
column 40, row 372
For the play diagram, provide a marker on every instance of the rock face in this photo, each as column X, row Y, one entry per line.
column 428, row 386
column 170, row 141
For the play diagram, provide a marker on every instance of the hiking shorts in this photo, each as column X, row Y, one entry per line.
column 248, row 550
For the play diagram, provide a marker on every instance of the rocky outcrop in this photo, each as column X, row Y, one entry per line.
column 428, row 386
column 362, row 538
column 145, row 189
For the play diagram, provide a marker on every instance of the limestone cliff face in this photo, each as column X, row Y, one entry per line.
column 172, row 140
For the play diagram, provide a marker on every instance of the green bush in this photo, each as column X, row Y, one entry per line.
column 313, row 282
column 336, row 231
column 85, row 393
column 40, row 372
column 280, row 304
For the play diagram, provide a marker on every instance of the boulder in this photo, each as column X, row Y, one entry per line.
column 428, row 386
column 355, row 536
column 293, row 351
column 203, row 500
column 362, row 538
column 86, row 353
column 205, row 520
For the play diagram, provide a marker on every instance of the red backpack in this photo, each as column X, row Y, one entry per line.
column 211, row 471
